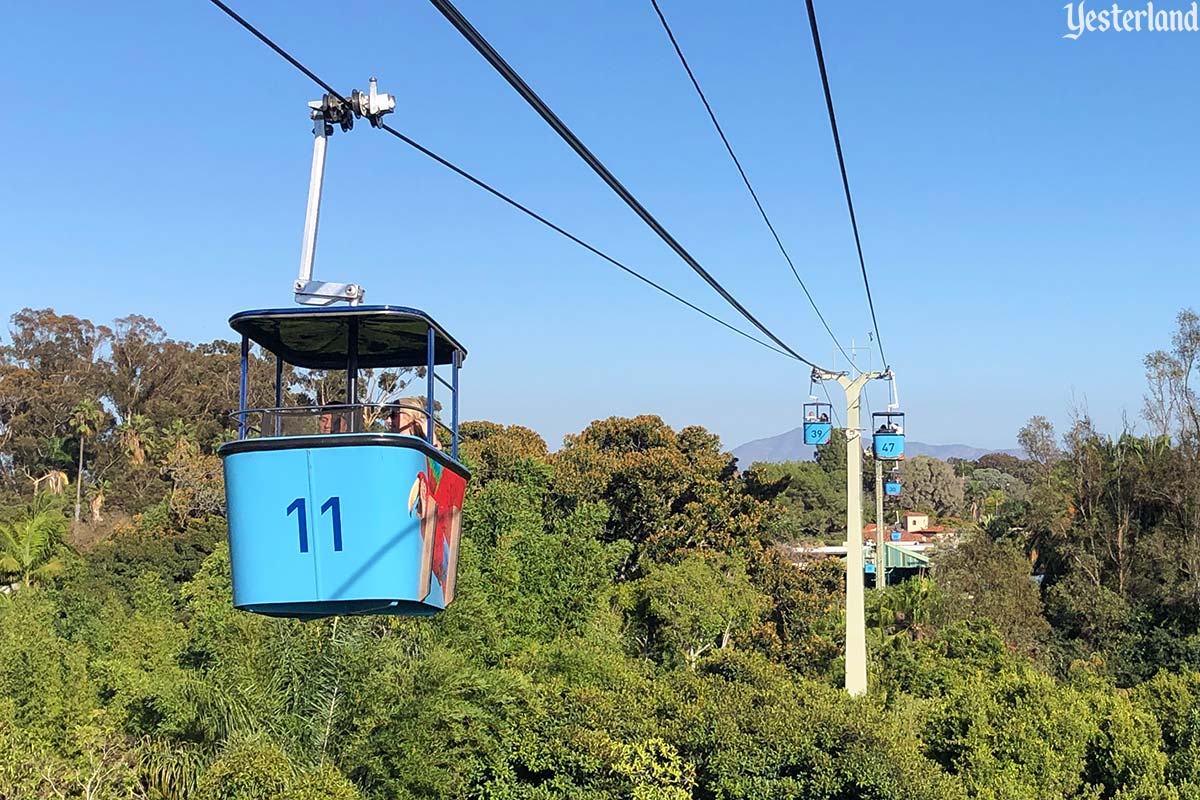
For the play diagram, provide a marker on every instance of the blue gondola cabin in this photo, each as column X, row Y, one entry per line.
column 817, row 428
column 350, row 508
column 888, row 437
column 891, row 485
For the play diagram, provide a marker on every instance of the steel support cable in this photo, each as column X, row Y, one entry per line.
column 837, row 142
column 501, row 66
column 490, row 189
column 832, row 406
column 745, row 179
column 530, row 212
column 282, row 53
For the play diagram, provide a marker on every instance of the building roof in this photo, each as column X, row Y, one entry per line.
column 905, row 536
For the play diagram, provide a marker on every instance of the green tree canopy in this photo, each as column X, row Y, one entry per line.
column 807, row 501
column 931, row 486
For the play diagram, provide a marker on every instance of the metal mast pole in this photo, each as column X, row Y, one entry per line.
column 856, row 621
column 880, row 555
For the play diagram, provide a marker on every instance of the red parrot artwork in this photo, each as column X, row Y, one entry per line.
column 437, row 497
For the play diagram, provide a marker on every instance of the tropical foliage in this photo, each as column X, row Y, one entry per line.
column 632, row 617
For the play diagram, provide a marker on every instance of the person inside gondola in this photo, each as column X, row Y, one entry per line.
column 824, row 418
column 331, row 423
column 410, row 422
column 811, row 416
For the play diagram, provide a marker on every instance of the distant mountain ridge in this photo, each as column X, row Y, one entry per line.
column 790, row 446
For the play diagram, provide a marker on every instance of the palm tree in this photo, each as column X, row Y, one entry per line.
column 55, row 480
column 27, row 545
column 905, row 611
column 85, row 419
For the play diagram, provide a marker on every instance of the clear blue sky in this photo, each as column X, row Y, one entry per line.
column 1028, row 204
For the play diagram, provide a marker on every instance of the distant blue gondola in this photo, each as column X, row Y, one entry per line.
column 888, row 427
column 891, row 484
column 817, row 428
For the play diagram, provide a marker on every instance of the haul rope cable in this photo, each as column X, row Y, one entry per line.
column 501, row 66
column 837, row 142
column 745, row 179
column 492, row 190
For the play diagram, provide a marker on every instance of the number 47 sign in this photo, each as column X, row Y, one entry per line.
column 299, row 506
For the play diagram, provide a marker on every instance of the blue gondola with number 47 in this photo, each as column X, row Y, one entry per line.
column 888, row 437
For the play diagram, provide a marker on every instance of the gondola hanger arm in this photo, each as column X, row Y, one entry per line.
column 327, row 112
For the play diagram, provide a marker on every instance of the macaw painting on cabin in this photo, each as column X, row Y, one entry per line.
column 436, row 497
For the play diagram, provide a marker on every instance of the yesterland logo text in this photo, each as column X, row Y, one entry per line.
column 1121, row 19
